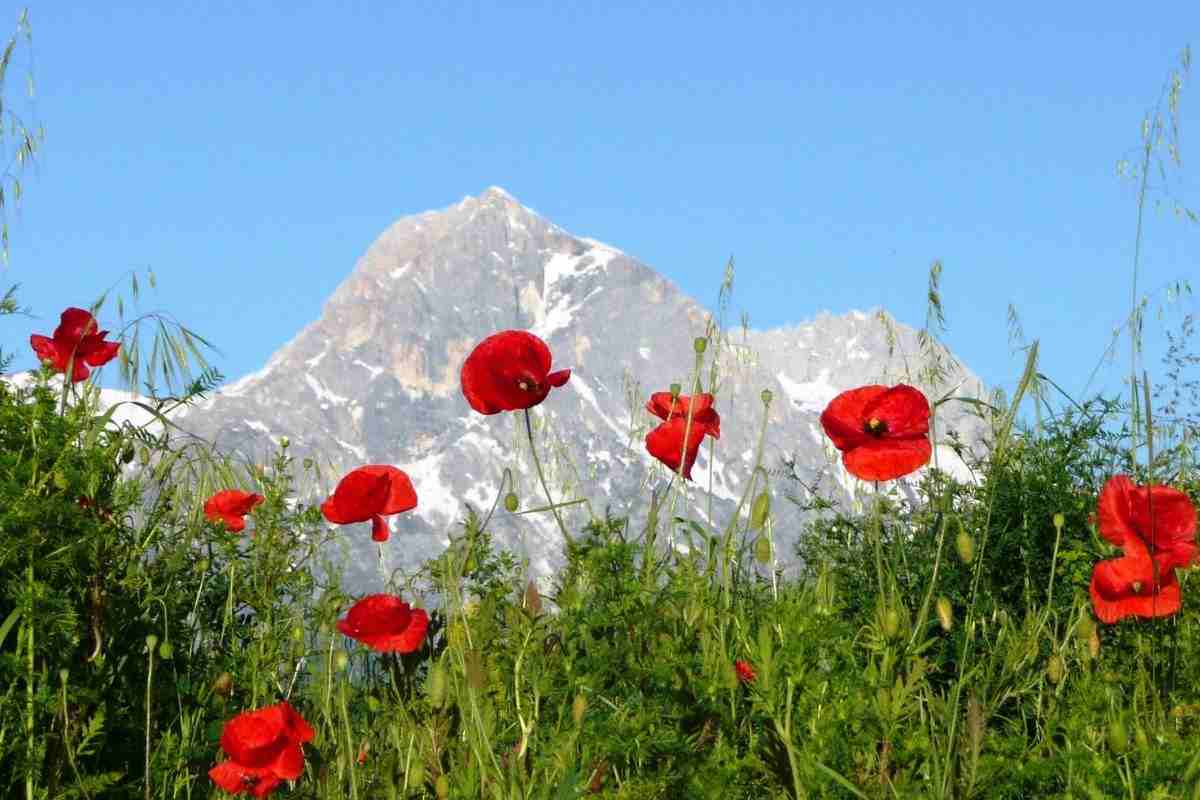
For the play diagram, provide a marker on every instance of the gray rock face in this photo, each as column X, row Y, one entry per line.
column 376, row 380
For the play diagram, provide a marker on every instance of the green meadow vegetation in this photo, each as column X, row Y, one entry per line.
column 946, row 648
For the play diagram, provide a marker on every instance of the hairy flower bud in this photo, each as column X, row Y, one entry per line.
column 700, row 345
column 437, row 685
column 965, row 545
column 945, row 614
column 762, row 550
column 442, row 787
column 223, row 685
column 1118, row 736
column 1055, row 669
column 759, row 510
column 766, row 397
column 675, row 390
column 341, row 660
column 579, row 708
column 891, row 623
column 1059, row 520
column 284, row 442
column 1094, row 644
column 151, row 642
column 511, row 503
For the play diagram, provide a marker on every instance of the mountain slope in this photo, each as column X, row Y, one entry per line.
column 375, row 380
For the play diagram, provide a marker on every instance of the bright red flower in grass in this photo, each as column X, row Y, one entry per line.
column 385, row 623
column 1148, row 521
column 231, row 506
column 666, row 444
column 1133, row 586
column 370, row 493
column 662, row 406
column 264, row 748
column 883, row 432
column 745, row 672
column 1156, row 527
column 77, row 337
column 509, row 371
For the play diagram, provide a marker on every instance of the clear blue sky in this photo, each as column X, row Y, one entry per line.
column 250, row 152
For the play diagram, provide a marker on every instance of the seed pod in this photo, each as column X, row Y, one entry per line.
column 437, row 685
column 1055, row 669
column 166, row 651
column 762, row 550
column 128, row 454
column 945, row 614
column 202, row 566
column 1059, row 520
column 1140, row 738
column 1085, row 629
column 1118, row 737
column 511, row 503
column 700, row 345
column 759, row 511
column 144, row 456
column 340, row 660
column 442, row 787
column 766, row 397
column 675, row 390
column 965, row 545
column 579, row 708
column 284, row 442
column 64, row 674
column 151, row 642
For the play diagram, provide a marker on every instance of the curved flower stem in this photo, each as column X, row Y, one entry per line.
column 542, row 477
column 750, row 485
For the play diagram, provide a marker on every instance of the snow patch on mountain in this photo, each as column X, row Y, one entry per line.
column 811, row 395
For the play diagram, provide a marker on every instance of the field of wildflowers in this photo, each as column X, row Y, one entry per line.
column 173, row 624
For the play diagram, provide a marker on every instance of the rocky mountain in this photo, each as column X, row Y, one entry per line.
column 376, row 380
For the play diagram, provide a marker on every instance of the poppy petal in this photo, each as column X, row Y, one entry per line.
column 1113, row 510
column 557, row 379
column 887, row 459
column 1114, row 597
column 44, row 348
column 358, row 497
column 290, row 763
column 401, row 494
column 904, row 409
column 843, row 418
column 666, row 444
column 102, row 353
column 508, row 371
column 228, row 776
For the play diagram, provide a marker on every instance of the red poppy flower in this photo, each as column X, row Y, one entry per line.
column 77, row 337
column 883, row 432
column 666, row 444
column 1133, row 585
column 231, row 506
column 509, row 371
column 1148, row 521
column 385, row 623
column 264, row 748
column 745, row 672
column 370, row 493
column 662, row 406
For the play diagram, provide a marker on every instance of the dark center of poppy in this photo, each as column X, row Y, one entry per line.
column 527, row 384
column 249, row 780
column 1136, row 586
column 875, row 426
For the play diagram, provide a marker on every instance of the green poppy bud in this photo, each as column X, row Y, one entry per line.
column 1059, row 520
column 676, row 389
column 372, row 703
column 297, row 633
column 144, row 456
column 891, row 623
column 341, row 660
column 578, row 709
column 1140, row 738
column 700, row 345
column 166, row 651
column 965, row 545
column 510, row 502
column 202, row 566
column 759, row 510
column 442, row 787
column 60, row 480
column 63, row 674
column 762, row 550
column 223, row 685
column 766, row 396
column 416, row 773
column 1094, row 644
column 151, row 642
column 437, row 685
column 284, row 442
column 945, row 613
column 1055, row 669
column 1118, row 736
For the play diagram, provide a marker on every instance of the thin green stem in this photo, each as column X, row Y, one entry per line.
column 537, row 462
